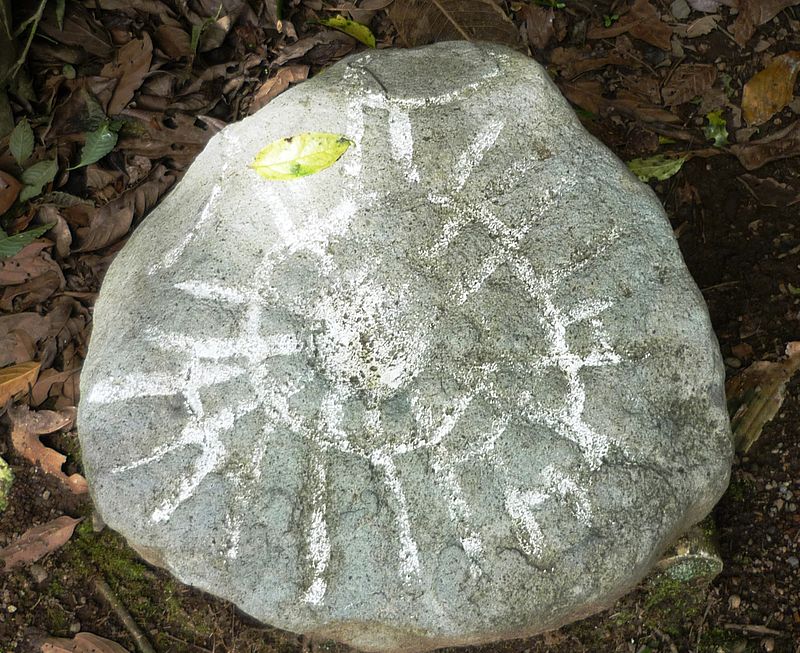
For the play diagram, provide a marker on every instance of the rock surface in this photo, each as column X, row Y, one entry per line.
column 457, row 387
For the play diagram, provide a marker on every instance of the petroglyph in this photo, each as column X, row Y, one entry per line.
column 425, row 395
column 398, row 355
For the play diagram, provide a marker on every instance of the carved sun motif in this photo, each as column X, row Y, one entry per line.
column 397, row 360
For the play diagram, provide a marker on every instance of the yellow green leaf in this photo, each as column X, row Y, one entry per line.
column 716, row 129
column 17, row 379
column 300, row 155
column 356, row 30
column 658, row 167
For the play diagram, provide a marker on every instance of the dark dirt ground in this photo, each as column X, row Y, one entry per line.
column 742, row 247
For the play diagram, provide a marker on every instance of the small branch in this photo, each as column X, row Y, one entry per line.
column 124, row 616
column 758, row 630
column 35, row 24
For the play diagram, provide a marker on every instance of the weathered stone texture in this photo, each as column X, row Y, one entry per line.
column 457, row 387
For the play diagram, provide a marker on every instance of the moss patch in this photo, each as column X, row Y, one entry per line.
column 672, row 605
column 6, row 479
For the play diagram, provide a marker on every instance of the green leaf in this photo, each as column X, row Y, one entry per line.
column 356, row 30
column 98, row 143
column 716, row 128
column 11, row 245
column 659, row 167
column 300, row 155
column 21, row 141
column 37, row 177
column 61, row 5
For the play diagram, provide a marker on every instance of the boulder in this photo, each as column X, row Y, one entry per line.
column 457, row 386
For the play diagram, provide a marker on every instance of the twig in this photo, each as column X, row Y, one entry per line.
column 21, row 60
column 125, row 617
column 725, row 284
column 755, row 628
column 181, row 641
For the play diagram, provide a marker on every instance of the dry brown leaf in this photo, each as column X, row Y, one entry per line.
column 27, row 426
column 632, row 105
column 16, row 346
column 82, row 643
column 112, row 221
column 643, row 21
column 17, row 379
column 756, row 394
column 133, row 7
column 79, row 29
column 753, row 13
column 539, row 25
column 30, row 262
column 9, row 190
column 365, row 11
column 49, row 384
column 32, row 292
column 687, row 82
column 706, row 6
column 37, row 542
column 60, row 233
column 572, row 62
column 770, row 90
column 419, row 22
column 780, row 145
column 305, row 45
column 180, row 138
column 174, row 41
column 130, row 65
column 24, row 336
column 586, row 93
column 770, row 191
column 276, row 85
column 700, row 27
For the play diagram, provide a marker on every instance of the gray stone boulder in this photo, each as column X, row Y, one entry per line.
column 456, row 387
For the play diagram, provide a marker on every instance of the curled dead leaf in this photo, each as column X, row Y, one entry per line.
column 642, row 21
column 50, row 383
column 539, row 25
column 9, row 191
column 276, row 85
column 37, row 542
column 753, row 13
column 17, row 379
column 32, row 292
column 420, row 22
column 82, row 643
column 130, row 65
column 756, row 394
column 687, row 82
column 770, row 90
column 770, row 191
column 780, row 145
column 27, row 426
column 112, row 221
column 30, row 262
column 700, row 27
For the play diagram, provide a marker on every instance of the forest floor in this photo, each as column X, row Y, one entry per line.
column 135, row 88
